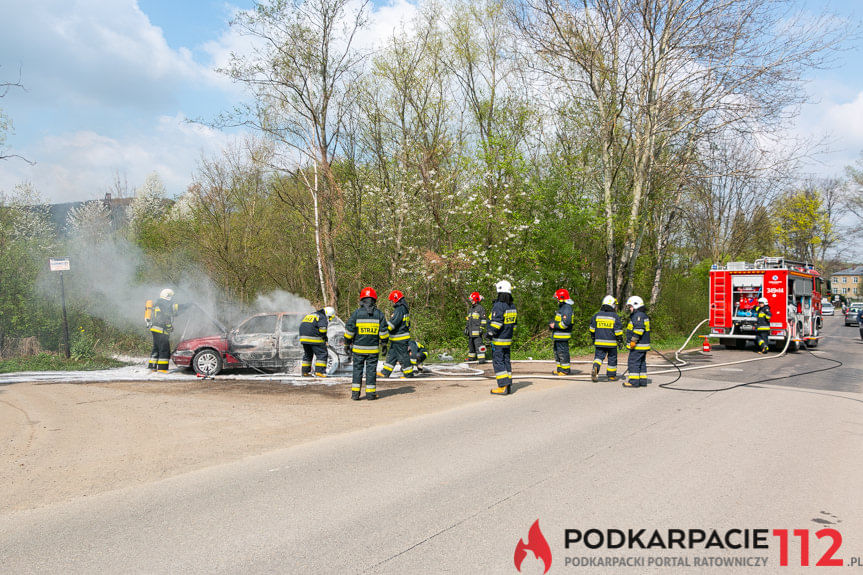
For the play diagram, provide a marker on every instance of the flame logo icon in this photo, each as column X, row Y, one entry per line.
column 535, row 542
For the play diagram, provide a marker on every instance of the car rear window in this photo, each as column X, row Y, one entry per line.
column 259, row 324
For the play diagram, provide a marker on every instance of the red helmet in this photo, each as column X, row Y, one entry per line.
column 395, row 296
column 561, row 295
column 368, row 292
column 474, row 297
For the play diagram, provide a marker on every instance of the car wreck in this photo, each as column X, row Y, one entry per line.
column 266, row 341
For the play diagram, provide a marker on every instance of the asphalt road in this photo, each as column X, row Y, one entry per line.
column 453, row 492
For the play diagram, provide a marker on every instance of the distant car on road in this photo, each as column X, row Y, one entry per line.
column 268, row 341
column 827, row 309
column 851, row 313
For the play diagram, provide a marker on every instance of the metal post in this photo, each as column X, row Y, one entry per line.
column 65, row 321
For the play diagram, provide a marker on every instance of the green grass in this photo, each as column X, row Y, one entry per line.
column 54, row 362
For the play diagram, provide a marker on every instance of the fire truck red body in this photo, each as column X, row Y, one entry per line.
column 793, row 292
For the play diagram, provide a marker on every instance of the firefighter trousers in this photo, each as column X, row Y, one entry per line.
column 319, row 351
column 399, row 353
column 154, row 352
column 476, row 349
column 637, row 367
column 367, row 362
column 162, row 343
column 600, row 353
column 761, row 341
column 561, row 355
column 501, row 363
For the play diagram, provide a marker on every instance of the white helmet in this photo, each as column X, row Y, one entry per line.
column 166, row 294
column 503, row 286
column 635, row 301
column 762, row 300
column 330, row 313
column 609, row 300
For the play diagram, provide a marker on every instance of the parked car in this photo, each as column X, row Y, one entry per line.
column 827, row 309
column 266, row 341
column 851, row 313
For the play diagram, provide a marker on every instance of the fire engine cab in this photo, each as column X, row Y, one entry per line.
column 793, row 291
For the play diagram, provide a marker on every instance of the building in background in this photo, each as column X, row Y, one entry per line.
column 848, row 283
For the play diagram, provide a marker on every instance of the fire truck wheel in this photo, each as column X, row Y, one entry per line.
column 740, row 343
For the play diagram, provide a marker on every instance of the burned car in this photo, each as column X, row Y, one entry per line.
column 266, row 341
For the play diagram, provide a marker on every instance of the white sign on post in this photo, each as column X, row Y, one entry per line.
column 58, row 264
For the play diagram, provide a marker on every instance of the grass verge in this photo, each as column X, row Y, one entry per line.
column 55, row 362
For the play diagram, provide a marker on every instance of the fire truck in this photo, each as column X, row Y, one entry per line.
column 793, row 291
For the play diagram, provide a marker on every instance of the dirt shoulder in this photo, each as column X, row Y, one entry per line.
column 60, row 441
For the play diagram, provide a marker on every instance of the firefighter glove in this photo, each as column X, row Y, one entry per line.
column 632, row 343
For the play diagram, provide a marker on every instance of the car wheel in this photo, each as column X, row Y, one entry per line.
column 332, row 360
column 207, row 361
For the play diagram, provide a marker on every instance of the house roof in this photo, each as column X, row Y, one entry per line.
column 855, row 271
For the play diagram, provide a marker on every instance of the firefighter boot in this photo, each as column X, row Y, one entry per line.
column 502, row 390
column 355, row 395
column 594, row 373
column 630, row 383
column 371, row 395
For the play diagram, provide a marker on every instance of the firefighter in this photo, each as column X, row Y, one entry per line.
column 607, row 333
column 366, row 335
column 501, row 327
column 638, row 338
column 313, row 337
column 418, row 355
column 399, row 327
column 474, row 328
column 762, row 325
column 561, row 333
column 161, row 324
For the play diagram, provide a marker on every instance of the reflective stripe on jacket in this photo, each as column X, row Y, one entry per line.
column 763, row 315
column 400, row 322
column 476, row 320
column 366, row 328
column 563, row 322
column 502, row 323
column 313, row 328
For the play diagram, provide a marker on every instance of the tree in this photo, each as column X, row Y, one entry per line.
column 802, row 227
column 6, row 123
column 302, row 75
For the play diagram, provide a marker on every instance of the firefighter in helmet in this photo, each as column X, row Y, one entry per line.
column 607, row 333
column 313, row 338
column 418, row 355
column 638, row 342
column 561, row 333
column 762, row 325
column 501, row 327
column 160, row 321
column 366, row 335
column 474, row 328
column 399, row 327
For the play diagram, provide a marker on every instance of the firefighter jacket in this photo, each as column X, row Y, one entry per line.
column 366, row 328
column 400, row 323
column 313, row 328
column 762, row 323
column 475, row 321
column 638, row 329
column 562, row 324
column 501, row 326
column 606, row 328
column 163, row 316
column 417, row 351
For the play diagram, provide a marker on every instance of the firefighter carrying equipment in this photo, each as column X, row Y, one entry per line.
column 476, row 323
column 148, row 313
column 501, row 328
column 561, row 334
column 762, row 326
column 606, row 330
column 638, row 335
column 313, row 338
column 399, row 328
column 365, row 331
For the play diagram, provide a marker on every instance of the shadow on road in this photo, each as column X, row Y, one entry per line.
column 396, row 391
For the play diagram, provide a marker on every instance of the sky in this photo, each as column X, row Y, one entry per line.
column 110, row 87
